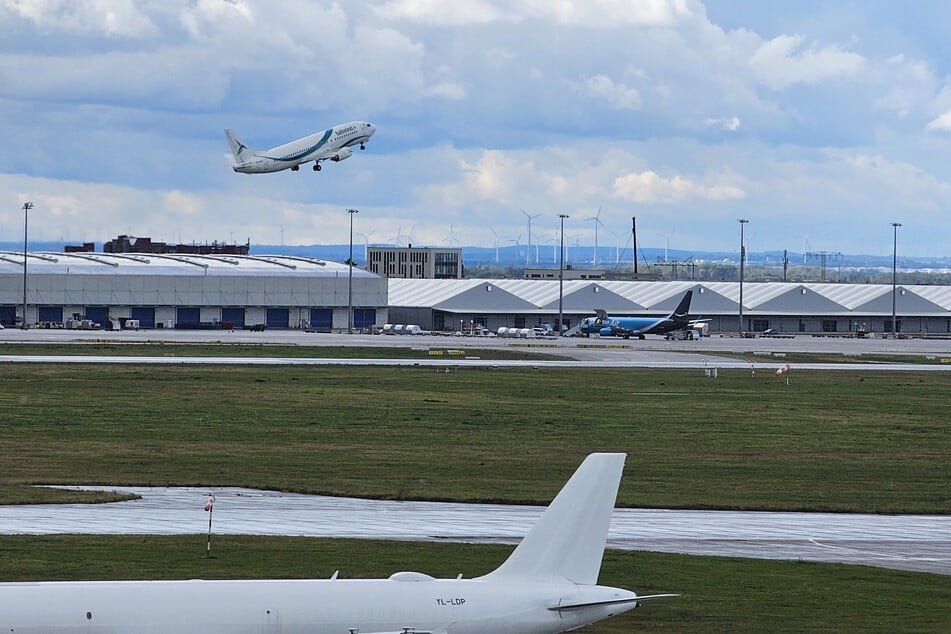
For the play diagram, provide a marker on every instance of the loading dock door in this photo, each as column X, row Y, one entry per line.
column 50, row 313
column 278, row 318
column 364, row 317
column 8, row 315
column 187, row 317
column 99, row 314
column 321, row 318
column 145, row 315
column 233, row 315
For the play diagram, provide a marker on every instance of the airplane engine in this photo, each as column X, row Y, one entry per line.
column 342, row 155
column 606, row 332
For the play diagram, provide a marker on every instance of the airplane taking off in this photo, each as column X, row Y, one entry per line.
column 333, row 144
column 547, row 585
column 639, row 326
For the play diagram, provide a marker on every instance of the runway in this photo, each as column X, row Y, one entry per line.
column 906, row 542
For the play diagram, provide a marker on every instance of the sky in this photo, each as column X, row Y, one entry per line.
column 820, row 122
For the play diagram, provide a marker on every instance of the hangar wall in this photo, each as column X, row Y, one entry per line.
column 190, row 290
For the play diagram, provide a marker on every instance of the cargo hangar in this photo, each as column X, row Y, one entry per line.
column 280, row 291
column 189, row 290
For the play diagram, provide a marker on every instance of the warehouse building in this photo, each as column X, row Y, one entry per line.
column 199, row 291
column 189, row 291
column 783, row 307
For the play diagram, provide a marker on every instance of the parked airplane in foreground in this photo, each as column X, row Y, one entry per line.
column 548, row 584
column 627, row 327
column 333, row 144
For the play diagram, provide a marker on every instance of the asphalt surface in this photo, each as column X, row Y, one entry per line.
column 653, row 352
column 907, row 542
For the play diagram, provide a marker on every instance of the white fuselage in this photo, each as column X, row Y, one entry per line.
column 331, row 144
column 456, row 606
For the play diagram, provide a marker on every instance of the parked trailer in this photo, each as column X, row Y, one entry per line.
column 402, row 329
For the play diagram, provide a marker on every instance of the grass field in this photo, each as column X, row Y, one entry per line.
column 281, row 351
column 876, row 442
column 841, row 441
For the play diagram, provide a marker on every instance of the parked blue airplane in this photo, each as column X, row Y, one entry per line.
column 627, row 327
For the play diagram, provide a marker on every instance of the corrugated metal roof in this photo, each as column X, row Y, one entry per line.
column 660, row 297
column 88, row 263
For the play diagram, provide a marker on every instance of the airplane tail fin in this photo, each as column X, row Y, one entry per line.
column 683, row 308
column 242, row 153
column 568, row 540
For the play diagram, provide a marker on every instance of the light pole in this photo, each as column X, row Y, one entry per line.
column 742, row 222
column 561, row 276
column 350, row 276
column 27, row 206
column 895, row 226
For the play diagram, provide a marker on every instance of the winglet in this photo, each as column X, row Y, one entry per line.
column 568, row 540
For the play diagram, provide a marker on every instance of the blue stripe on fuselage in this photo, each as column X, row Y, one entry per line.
column 300, row 155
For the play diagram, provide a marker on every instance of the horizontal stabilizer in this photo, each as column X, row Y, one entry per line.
column 578, row 606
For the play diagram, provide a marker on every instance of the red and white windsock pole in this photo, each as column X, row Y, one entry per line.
column 209, row 507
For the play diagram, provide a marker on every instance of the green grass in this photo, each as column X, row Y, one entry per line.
column 222, row 349
column 839, row 441
column 717, row 594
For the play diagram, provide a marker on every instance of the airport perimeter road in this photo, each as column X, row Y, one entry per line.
column 906, row 542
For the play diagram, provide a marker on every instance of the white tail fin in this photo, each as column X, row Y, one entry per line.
column 568, row 540
column 242, row 153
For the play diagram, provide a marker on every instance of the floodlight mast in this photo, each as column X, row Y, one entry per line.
column 742, row 222
column 561, row 276
column 27, row 206
column 350, row 276
column 895, row 226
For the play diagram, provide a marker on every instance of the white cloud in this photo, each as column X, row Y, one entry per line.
column 731, row 124
column 650, row 187
column 602, row 14
column 942, row 122
column 120, row 18
column 448, row 90
column 780, row 63
column 618, row 96
column 607, row 13
column 440, row 12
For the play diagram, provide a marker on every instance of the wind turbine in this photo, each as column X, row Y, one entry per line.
column 597, row 221
column 518, row 245
column 366, row 245
column 617, row 246
column 450, row 238
column 666, row 237
column 496, row 244
column 528, row 253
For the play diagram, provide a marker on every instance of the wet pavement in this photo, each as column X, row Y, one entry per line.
column 906, row 542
